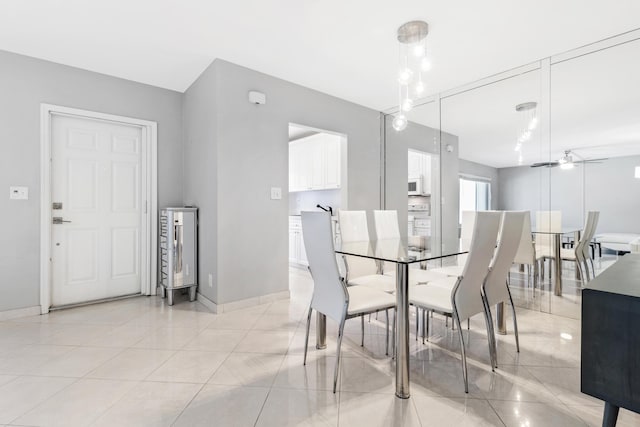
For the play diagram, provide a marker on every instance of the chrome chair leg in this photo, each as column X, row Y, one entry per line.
column 425, row 323
column 417, row 321
column 386, row 312
column 362, row 330
column 491, row 334
column 515, row 324
column 306, row 337
column 462, row 352
column 337, row 369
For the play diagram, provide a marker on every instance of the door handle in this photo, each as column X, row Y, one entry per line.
column 58, row 220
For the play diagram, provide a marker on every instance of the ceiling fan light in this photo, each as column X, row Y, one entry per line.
column 567, row 165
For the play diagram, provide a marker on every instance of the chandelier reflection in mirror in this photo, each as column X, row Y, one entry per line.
column 527, row 124
column 412, row 64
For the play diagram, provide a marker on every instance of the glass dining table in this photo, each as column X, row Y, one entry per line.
column 557, row 259
column 402, row 255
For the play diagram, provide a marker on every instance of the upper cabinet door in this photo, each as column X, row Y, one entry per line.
column 333, row 162
column 415, row 165
column 314, row 163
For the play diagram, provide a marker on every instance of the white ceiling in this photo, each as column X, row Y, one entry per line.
column 344, row 48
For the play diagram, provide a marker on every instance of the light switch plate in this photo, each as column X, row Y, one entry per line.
column 276, row 193
column 19, row 193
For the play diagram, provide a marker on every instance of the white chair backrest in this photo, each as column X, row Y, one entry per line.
column 386, row 223
column 525, row 254
column 468, row 221
column 588, row 232
column 549, row 221
column 511, row 237
column 354, row 228
column 466, row 295
column 329, row 293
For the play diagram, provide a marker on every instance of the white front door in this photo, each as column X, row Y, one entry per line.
column 96, row 178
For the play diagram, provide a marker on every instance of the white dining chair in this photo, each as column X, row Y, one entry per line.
column 526, row 251
column 361, row 271
column 466, row 232
column 495, row 288
column 387, row 227
column 331, row 296
column 579, row 254
column 592, row 232
column 548, row 221
column 464, row 300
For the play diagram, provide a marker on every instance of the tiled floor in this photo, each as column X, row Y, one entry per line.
column 137, row 362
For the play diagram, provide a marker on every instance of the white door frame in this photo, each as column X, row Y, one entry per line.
column 149, row 195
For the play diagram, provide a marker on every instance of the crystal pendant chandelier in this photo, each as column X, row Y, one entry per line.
column 528, row 123
column 412, row 63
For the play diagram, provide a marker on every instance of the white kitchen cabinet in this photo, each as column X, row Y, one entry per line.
column 419, row 165
column 314, row 163
column 297, row 252
column 333, row 163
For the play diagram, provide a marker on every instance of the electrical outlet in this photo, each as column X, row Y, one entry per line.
column 211, row 280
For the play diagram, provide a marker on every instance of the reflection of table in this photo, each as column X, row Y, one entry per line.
column 395, row 251
column 557, row 245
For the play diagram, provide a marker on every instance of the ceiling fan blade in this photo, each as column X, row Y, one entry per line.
column 544, row 164
column 592, row 160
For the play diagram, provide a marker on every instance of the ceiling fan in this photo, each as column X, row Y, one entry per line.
column 567, row 161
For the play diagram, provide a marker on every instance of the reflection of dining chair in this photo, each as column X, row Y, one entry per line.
column 331, row 296
column 386, row 226
column 546, row 222
column 526, row 251
column 592, row 232
column 464, row 300
column 495, row 288
column 466, row 232
column 361, row 271
column 579, row 254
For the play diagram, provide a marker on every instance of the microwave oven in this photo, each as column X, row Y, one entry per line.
column 415, row 186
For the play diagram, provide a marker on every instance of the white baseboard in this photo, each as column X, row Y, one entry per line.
column 240, row 304
column 20, row 312
column 207, row 302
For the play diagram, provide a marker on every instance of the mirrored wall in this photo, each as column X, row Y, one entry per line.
column 558, row 138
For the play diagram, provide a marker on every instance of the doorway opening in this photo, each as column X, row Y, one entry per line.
column 317, row 181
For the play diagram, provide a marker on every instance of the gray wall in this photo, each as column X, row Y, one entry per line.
column 25, row 83
column 199, row 118
column 251, row 155
column 484, row 171
column 610, row 188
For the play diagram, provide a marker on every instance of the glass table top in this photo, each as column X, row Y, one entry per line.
column 563, row 230
column 398, row 251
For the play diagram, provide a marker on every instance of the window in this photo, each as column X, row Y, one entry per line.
column 475, row 195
